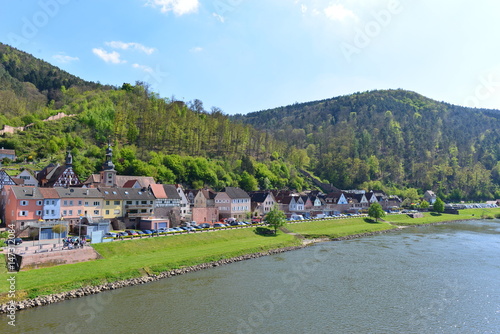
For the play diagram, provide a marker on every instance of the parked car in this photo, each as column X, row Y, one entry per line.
column 147, row 232
column 130, row 232
column 122, row 234
column 15, row 241
column 111, row 235
column 154, row 231
column 219, row 225
column 197, row 227
column 205, row 225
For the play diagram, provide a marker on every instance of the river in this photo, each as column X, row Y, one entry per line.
column 429, row 279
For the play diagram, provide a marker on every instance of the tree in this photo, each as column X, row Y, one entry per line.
column 438, row 205
column 376, row 211
column 59, row 229
column 4, row 235
column 424, row 204
column 248, row 182
column 275, row 218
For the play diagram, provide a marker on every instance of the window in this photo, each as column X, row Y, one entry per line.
column 65, row 213
column 144, row 202
column 107, row 202
column 107, row 212
column 86, row 203
column 79, row 212
column 79, row 202
column 52, row 212
column 23, row 213
column 97, row 203
column 65, row 203
column 117, row 202
column 129, row 202
column 96, row 212
column 71, row 212
column 70, row 202
column 117, row 212
column 39, row 212
column 47, row 202
column 24, row 203
column 46, row 212
column 38, row 202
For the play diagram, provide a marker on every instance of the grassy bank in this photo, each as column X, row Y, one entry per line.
column 432, row 218
column 134, row 258
column 338, row 228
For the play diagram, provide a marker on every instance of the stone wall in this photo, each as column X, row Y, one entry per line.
column 54, row 258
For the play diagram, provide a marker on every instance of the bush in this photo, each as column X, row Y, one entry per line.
column 497, row 216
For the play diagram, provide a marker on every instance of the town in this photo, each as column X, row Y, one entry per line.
column 33, row 203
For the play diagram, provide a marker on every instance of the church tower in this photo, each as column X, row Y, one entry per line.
column 108, row 173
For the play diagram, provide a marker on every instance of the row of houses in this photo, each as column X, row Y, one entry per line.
column 166, row 205
column 57, row 194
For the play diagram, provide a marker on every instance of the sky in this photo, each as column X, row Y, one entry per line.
column 249, row 55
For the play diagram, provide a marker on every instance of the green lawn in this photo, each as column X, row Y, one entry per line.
column 430, row 217
column 134, row 258
column 336, row 228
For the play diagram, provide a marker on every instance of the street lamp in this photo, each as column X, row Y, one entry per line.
column 80, row 226
column 40, row 220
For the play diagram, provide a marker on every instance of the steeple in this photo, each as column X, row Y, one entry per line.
column 69, row 160
column 108, row 173
column 108, row 164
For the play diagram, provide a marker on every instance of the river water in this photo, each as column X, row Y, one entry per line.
column 431, row 279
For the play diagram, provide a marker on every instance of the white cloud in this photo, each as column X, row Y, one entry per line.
column 108, row 57
column 303, row 8
column 219, row 17
column 144, row 68
column 196, row 49
column 126, row 46
column 65, row 59
column 179, row 7
column 338, row 12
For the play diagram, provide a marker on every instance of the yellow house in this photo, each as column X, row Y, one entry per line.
column 113, row 202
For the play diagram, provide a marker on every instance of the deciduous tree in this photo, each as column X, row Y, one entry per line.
column 275, row 218
column 376, row 211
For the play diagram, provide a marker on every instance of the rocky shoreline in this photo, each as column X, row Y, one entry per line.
column 91, row 290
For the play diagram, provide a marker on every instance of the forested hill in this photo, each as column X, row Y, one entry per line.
column 393, row 140
column 28, row 84
column 173, row 141
column 397, row 137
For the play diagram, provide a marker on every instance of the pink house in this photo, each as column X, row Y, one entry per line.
column 204, row 209
column 233, row 203
column 22, row 207
column 80, row 202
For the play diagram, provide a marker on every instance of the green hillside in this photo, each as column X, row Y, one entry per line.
column 393, row 138
column 173, row 141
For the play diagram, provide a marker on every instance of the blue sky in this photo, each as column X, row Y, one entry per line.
column 250, row 55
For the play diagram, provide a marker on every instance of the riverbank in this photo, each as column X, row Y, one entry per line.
column 141, row 261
